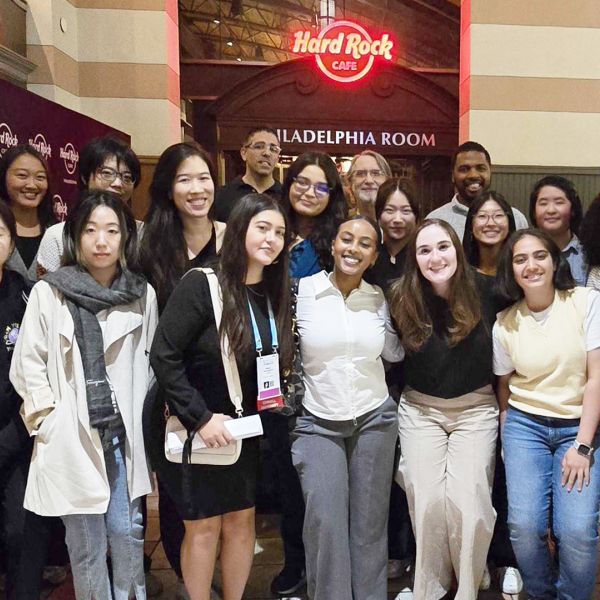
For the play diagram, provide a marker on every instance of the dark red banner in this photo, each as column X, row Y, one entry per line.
column 58, row 133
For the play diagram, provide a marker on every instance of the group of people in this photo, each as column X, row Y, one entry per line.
column 456, row 354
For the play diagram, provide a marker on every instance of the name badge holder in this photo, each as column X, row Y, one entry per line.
column 267, row 367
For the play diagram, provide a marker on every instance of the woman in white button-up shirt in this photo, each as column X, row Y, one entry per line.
column 343, row 443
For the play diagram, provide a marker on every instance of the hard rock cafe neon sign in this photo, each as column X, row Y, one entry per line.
column 344, row 50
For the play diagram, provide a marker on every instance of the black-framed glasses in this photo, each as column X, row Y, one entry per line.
column 303, row 185
column 484, row 218
column 262, row 146
column 109, row 174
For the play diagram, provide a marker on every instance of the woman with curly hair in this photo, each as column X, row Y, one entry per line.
column 315, row 204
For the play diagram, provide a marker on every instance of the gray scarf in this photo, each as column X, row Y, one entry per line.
column 85, row 298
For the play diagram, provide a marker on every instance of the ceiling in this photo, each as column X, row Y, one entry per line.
column 426, row 31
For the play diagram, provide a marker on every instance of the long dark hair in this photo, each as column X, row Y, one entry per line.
column 389, row 187
column 505, row 279
column 589, row 233
column 163, row 250
column 566, row 186
column 335, row 212
column 77, row 220
column 470, row 244
column 233, row 266
column 408, row 296
column 44, row 210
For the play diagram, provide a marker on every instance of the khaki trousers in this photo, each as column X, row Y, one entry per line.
column 447, row 468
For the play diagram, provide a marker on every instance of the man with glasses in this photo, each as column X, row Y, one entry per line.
column 106, row 163
column 260, row 151
column 471, row 176
column 368, row 170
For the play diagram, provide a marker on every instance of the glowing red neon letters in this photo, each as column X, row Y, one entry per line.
column 344, row 50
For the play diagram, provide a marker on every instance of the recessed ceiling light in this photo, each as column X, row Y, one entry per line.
column 238, row 59
column 230, row 43
column 216, row 21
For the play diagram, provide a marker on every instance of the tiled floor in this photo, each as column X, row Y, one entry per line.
column 267, row 563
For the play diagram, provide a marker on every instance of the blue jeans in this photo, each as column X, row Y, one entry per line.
column 119, row 529
column 533, row 450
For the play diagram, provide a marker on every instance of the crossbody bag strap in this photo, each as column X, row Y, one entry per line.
column 231, row 371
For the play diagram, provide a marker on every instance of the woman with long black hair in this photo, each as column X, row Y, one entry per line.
column 218, row 506
column 179, row 234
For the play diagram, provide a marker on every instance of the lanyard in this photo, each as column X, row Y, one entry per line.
column 258, row 341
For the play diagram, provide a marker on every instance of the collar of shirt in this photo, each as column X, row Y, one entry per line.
column 246, row 187
column 324, row 285
column 573, row 247
column 458, row 206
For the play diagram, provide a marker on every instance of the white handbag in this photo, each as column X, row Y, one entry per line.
column 176, row 435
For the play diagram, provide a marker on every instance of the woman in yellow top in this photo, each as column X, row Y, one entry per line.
column 547, row 357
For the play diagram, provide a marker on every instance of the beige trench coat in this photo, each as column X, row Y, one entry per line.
column 68, row 473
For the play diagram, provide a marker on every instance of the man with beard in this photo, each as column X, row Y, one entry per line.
column 260, row 151
column 368, row 170
column 471, row 176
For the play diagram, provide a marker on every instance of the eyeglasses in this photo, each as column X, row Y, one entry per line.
column 484, row 218
column 109, row 175
column 262, row 146
column 303, row 185
column 362, row 173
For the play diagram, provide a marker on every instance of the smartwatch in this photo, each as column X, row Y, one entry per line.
column 583, row 449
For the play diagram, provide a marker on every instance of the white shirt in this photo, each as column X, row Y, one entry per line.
column 342, row 344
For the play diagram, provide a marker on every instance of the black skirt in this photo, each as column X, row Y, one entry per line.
column 214, row 489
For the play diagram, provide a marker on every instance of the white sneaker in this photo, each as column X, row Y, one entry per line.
column 486, row 580
column 510, row 579
column 405, row 594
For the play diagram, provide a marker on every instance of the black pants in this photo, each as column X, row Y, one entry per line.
column 40, row 540
column 276, row 431
column 172, row 529
column 401, row 540
column 501, row 552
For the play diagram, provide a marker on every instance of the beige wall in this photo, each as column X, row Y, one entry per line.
column 530, row 80
column 114, row 60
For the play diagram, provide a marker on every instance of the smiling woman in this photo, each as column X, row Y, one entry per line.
column 24, row 186
column 547, row 358
column 445, row 412
column 218, row 505
column 180, row 232
column 315, row 205
column 344, row 441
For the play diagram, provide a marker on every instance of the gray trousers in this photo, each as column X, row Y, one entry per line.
column 345, row 470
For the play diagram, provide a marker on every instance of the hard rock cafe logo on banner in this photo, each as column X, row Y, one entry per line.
column 70, row 157
column 59, row 207
column 344, row 50
column 7, row 138
column 41, row 145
